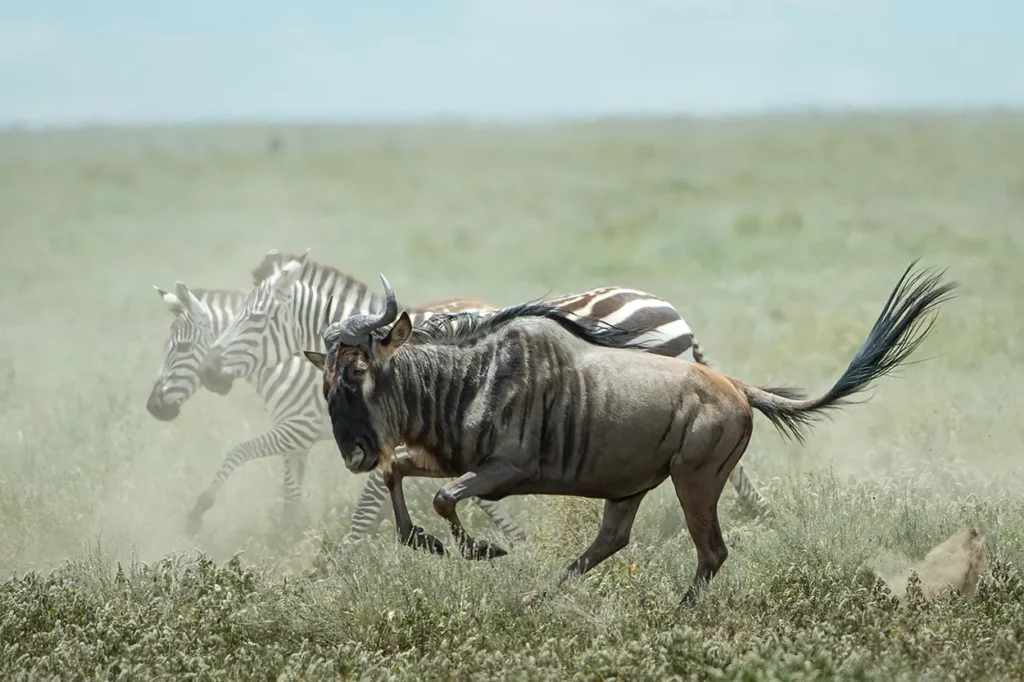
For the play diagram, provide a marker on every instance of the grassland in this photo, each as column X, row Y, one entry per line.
column 778, row 239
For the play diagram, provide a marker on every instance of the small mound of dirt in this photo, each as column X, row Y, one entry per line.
column 957, row 562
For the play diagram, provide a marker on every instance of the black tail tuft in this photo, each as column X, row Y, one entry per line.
column 899, row 330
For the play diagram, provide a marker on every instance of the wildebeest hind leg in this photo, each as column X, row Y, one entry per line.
column 699, row 473
column 616, row 526
column 487, row 481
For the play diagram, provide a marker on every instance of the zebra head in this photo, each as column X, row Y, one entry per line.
column 190, row 336
column 262, row 334
column 352, row 349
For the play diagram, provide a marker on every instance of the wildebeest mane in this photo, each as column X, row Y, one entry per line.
column 464, row 328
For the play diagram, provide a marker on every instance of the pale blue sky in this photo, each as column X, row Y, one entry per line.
column 74, row 61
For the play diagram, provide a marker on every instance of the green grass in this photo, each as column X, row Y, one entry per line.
column 778, row 239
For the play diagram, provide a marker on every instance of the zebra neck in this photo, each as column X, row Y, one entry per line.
column 223, row 306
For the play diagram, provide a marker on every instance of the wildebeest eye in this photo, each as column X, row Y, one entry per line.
column 356, row 369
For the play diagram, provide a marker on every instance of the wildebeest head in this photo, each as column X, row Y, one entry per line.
column 357, row 358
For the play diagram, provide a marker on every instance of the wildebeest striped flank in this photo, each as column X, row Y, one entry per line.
column 533, row 401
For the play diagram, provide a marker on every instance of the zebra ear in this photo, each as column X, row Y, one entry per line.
column 399, row 334
column 288, row 276
column 319, row 360
column 189, row 299
column 172, row 302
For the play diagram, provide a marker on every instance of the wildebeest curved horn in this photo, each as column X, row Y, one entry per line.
column 390, row 304
column 327, row 330
column 356, row 329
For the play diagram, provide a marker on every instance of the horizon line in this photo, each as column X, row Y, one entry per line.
column 519, row 121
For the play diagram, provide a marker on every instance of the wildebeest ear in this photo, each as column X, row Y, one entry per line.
column 399, row 334
column 319, row 360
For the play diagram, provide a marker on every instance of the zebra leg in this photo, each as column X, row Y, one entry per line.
column 501, row 518
column 369, row 508
column 294, row 474
column 748, row 492
column 277, row 441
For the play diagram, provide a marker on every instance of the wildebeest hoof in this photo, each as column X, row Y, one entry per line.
column 420, row 539
column 534, row 597
column 689, row 599
column 481, row 549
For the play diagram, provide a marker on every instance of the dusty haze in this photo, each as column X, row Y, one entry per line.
column 777, row 240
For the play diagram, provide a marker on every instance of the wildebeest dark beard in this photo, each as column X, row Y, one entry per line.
column 352, row 425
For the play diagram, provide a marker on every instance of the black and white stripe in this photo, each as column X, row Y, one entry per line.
column 284, row 389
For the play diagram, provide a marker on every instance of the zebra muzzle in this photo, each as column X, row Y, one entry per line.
column 163, row 411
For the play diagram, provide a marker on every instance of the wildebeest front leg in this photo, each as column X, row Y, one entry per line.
column 408, row 534
column 485, row 482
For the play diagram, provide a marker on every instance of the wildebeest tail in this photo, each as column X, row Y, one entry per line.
column 898, row 331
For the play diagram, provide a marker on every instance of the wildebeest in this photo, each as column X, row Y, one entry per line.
column 532, row 401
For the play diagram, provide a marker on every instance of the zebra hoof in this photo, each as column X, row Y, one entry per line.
column 481, row 549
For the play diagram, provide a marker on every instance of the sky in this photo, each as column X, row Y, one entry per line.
column 71, row 62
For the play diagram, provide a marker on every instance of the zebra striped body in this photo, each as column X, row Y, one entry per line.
column 285, row 313
column 295, row 415
column 290, row 394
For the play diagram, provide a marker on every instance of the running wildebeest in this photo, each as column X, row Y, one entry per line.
column 534, row 401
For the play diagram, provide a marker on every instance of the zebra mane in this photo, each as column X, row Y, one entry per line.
column 457, row 329
column 312, row 269
column 271, row 263
column 212, row 294
column 231, row 299
column 315, row 274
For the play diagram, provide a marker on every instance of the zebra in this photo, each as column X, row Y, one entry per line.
column 533, row 400
column 285, row 313
column 289, row 393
